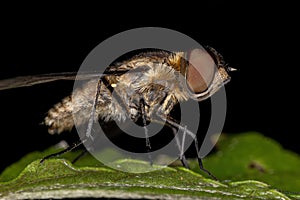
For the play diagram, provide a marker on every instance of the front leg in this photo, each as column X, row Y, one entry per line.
column 175, row 124
column 166, row 106
column 180, row 148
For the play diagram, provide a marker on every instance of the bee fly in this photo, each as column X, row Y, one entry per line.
column 146, row 85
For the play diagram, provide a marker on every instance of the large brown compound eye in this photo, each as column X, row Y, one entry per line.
column 200, row 71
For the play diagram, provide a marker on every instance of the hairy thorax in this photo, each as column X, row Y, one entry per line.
column 156, row 86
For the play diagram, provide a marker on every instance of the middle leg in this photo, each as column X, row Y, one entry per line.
column 148, row 145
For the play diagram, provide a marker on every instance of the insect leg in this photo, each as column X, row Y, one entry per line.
column 92, row 116
column 187, row 131
column 80, row 156
column 70, row 148
column 180, row 148
column 148, row 145
column 88, row 131
column 178, row 145
column 200, row 160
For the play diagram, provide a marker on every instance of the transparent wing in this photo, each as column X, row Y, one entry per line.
column 26, row 81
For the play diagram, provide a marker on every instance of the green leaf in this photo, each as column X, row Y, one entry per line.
column 253, row 156
column 58, row 178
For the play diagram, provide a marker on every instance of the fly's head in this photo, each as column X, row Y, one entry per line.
column 205, row 72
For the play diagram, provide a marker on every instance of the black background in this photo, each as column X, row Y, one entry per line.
column 260, row 40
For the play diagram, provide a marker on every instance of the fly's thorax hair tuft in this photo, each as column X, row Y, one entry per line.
column 176, row 60
column 167, row 76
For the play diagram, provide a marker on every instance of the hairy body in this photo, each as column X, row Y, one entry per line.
column 152, row 81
